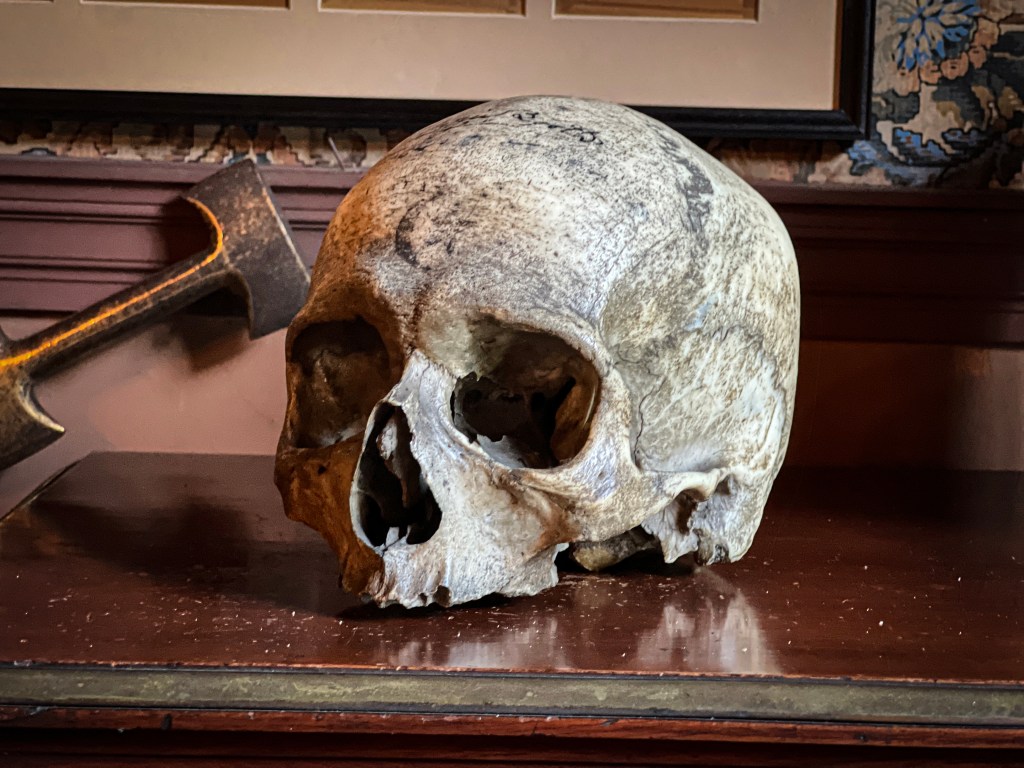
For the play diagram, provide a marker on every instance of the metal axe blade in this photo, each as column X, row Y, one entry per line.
column 256, row 245
column 24, row 426
column 251, row 252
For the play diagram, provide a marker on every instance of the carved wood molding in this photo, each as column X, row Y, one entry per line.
column 75, row 231
column 899, row 265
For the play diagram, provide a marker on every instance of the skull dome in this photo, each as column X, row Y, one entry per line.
column 538, row 324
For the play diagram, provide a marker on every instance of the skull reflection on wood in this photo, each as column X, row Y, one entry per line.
column 540, row 323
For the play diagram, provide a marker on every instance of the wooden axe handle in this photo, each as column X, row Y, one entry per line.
column 161, row 294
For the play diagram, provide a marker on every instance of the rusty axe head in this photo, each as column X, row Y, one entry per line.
column 252, row 252
column 258, row 249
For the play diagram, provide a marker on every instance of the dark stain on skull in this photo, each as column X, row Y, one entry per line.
column 524, row 144
column 696, row 186
column 573, row 130
column 691, row 181
column 412, row 220
column 403, row 238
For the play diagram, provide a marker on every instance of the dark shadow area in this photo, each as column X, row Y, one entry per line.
column 396, row 613
column 202, row 551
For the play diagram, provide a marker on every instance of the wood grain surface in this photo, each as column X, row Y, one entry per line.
column 149, row 591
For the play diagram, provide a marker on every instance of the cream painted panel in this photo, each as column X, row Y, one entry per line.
column 783, row 60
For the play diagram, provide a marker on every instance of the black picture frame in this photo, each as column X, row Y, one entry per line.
column 848, row 121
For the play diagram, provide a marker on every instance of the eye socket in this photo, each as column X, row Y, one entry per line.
column 344, row 370
column 531, row 400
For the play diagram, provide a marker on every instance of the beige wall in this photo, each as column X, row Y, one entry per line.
column 198, row 385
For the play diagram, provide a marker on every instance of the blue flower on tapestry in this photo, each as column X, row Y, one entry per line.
column 916, row 151
column 930, row 30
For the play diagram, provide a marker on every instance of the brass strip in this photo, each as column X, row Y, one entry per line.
column 549, row 695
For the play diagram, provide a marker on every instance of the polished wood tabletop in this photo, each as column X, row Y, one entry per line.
column 159, row 580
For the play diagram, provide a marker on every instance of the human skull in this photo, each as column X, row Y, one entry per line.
column 541, row 322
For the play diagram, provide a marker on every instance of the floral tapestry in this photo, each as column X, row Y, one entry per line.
column 946, row 105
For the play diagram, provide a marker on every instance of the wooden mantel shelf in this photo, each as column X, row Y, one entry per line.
column 162, row 606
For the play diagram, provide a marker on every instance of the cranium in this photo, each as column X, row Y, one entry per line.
column 539, row 323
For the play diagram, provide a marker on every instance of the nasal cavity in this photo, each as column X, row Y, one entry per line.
column 394, row 502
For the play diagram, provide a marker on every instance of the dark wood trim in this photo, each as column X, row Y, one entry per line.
column 856, row 59
column 670, row 731
column 74, row 231
column 846, row 122
column 433, row 742
column 115, row 106
column 876, row 265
